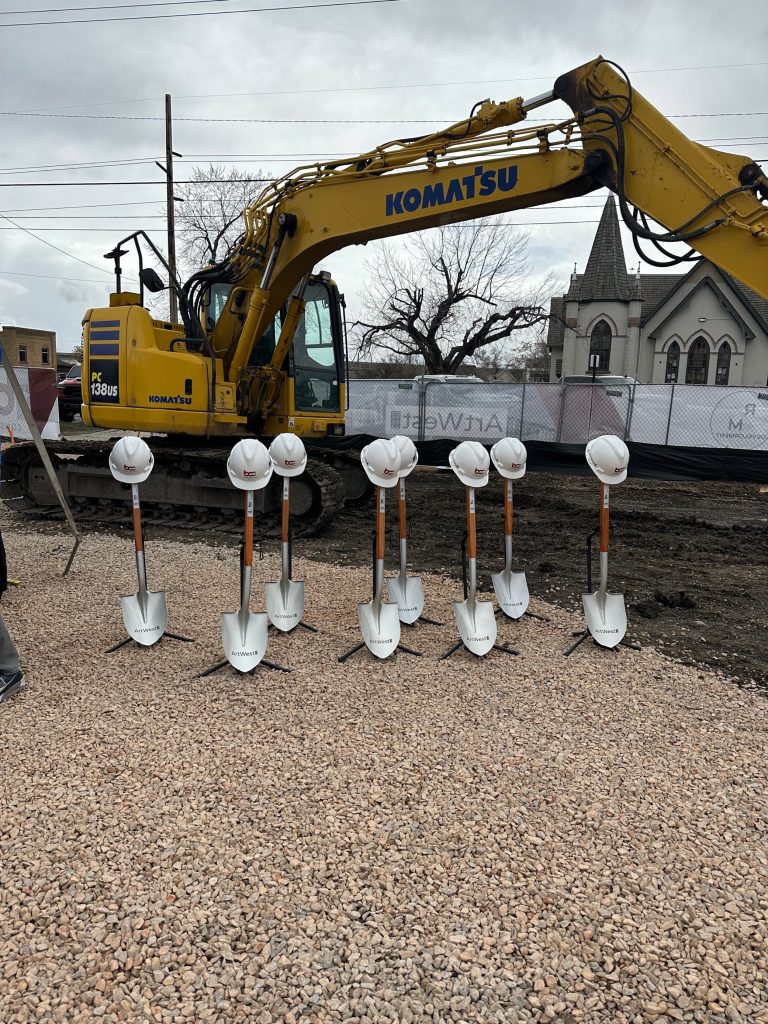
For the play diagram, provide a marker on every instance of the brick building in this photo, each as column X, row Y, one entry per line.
column 27, row 346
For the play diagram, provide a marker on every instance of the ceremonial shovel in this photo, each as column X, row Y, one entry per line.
column 476, row 619
column 511, row 588
column 285, row 600
column 605, row 613
column 244, row 633
column 379, row 619
column 145, row 614
column 406, row 591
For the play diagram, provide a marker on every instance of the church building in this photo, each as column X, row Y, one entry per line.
column 701, row 327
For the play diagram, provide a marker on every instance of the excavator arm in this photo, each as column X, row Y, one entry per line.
column 714, row 201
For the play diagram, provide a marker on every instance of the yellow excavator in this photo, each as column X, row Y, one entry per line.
column 261, row 344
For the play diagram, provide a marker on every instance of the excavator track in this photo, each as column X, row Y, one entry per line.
column 188, row 489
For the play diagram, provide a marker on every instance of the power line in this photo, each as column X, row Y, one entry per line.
column 51, row 277
column 325, row 120
column 195, row 14
column 374, row 88
column 437, row 85
column 236, row 158
column 112, row 7
column 111, row 230
column 18, row 227
column 105, row 216
column 99, row 184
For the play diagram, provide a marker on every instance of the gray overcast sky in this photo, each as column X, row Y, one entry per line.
column 417, row 53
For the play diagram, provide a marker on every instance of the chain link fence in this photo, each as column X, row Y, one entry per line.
column 685, row 415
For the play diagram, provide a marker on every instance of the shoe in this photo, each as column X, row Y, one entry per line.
column 10, row 684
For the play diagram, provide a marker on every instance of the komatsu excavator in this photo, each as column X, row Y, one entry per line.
column 261, row 344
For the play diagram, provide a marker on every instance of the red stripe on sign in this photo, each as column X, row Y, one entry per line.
column 42, row 394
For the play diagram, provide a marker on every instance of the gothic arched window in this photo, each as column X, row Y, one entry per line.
column 600, row 345
column 673, row 363
column 698, row 362
column 723, row 363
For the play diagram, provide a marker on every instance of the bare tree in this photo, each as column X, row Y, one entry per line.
column 210, row 218
column 448, row 293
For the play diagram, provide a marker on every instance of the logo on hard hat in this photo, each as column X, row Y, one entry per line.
column 479, row 471
column 249, row 473
column 129, row 469
column 388, row 471
column 289, row 462
column 618, row 469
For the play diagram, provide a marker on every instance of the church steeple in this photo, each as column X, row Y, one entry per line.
column 606, row 275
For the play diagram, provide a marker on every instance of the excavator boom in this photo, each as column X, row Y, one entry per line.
column 714, row 201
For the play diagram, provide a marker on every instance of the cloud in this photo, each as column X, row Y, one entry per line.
column 483, row 49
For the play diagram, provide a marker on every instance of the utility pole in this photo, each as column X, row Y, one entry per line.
column 170, row 213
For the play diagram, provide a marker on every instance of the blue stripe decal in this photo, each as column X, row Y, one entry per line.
column 104, row 350
column 105, row 323
column 105, row 335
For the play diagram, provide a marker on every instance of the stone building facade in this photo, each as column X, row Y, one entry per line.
column 702, row 327
column 26, row 346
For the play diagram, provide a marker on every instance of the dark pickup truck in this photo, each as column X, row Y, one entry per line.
column 70, row 395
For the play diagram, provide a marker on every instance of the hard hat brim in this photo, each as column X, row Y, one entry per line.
column 508, row 474
column 611, row 481
column 476, row 481
column 131, row 478
column 257, row 485
column 297, row 471
column 381, row 481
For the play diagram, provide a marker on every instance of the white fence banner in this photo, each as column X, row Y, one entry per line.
column 673, row 414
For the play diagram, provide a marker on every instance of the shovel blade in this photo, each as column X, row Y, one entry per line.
column 511, row 589
column 285, row 604
column 244, row 638
column 380, row 627
column 408, row 594
column 606, row 619
column 477, row 629
column 145, row 616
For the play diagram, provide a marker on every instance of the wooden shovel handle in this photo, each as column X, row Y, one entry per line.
column 285, row 510
column 380, row 507
column 138, row 536
column 248, row 530
column 402, row 511
column 508, row 508
column 604, row 493
column 471, row 530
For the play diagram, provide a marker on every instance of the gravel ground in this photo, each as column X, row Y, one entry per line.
column 514, row 839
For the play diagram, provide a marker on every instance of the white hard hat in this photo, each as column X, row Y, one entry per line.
column 131, row 461
column 408, row 454
column 289, row 456
column 381, row 462
column 249, row 465
column 608, row 458
column 470, row 462
column 509, row 457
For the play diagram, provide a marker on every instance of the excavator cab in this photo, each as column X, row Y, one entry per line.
column 314, row 368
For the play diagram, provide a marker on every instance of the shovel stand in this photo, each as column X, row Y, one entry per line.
column 166, row 635
column 585, row 634
column 530, row 615
column 358, row 647
column 222, row 664
column 496, row 647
